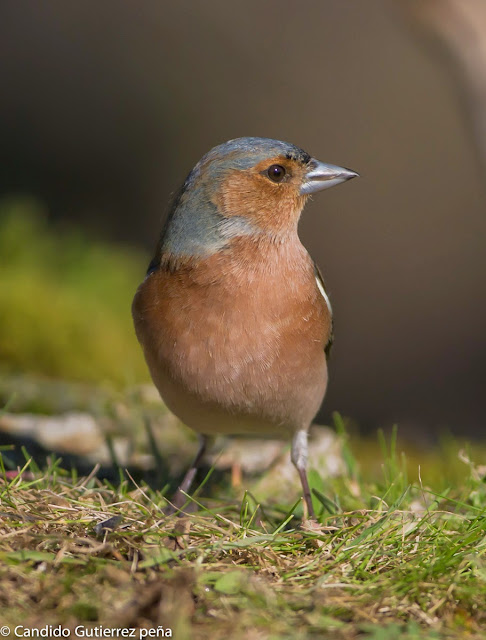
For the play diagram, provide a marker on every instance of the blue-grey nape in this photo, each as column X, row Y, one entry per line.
column 196, row 228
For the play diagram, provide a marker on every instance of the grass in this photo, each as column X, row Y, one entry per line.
column 388, row 558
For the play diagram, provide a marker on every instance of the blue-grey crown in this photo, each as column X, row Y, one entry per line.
column 243, row 153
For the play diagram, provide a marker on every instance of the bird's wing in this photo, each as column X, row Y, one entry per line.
column 322, row 289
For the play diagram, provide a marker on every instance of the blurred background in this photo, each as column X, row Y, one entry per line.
column 105, row 107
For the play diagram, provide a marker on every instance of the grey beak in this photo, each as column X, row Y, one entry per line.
column 322, row 176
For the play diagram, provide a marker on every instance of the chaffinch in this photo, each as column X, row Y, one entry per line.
column 233, row 316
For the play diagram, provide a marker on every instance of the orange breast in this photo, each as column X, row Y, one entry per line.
column 241, row 333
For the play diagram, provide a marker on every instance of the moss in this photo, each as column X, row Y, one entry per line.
column 65, row 301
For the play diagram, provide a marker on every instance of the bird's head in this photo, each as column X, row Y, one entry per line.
column 247, row 186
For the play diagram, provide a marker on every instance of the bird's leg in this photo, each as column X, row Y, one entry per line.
column 179, row 497
column 298, row 455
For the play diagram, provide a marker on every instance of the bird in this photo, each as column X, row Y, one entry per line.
column 233, row 316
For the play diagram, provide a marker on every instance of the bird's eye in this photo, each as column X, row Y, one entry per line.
column 276, row 173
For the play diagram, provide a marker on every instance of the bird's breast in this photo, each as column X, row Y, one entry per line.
column 239, row 336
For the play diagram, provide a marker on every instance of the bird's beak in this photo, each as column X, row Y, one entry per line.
column 322, row 176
